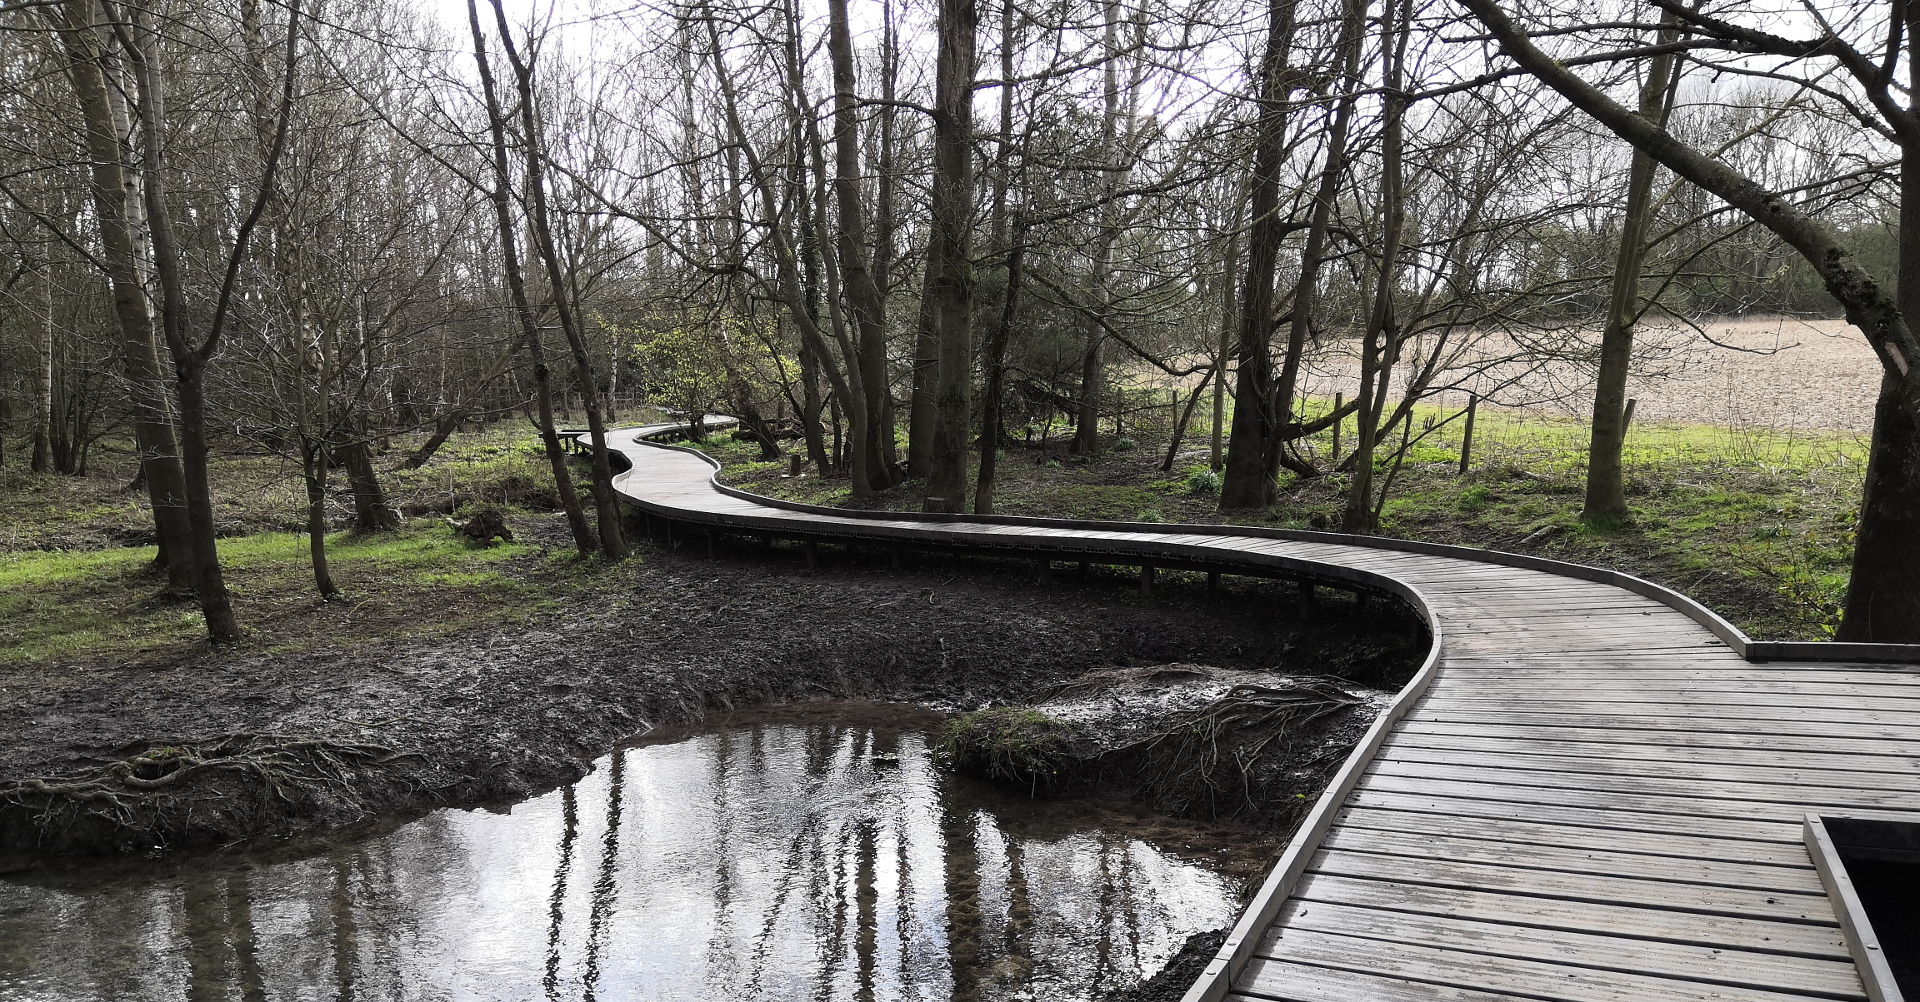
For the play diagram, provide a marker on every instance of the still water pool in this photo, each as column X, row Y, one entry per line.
column 807, row 853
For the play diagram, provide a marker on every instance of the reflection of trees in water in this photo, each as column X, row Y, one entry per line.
column 606, row 888
column 821, row 874
column 346, row 933
column 557, row 901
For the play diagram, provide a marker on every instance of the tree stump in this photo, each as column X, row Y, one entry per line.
column 484, row 527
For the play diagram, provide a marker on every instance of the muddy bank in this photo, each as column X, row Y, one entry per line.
column 257, row 742
column 1191, row 741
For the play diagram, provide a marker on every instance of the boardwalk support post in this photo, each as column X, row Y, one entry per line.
column 813, row 554
column 1146, row 579
column 1042, row 570
column 893, row 554
column 1213, row 580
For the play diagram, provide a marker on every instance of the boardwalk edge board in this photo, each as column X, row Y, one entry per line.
column 1868, row 956
column 1155, row 547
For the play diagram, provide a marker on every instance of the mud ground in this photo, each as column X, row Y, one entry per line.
column 496, row 715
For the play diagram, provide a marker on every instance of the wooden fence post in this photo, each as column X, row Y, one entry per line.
column 1466, row 437
column 1338, row 400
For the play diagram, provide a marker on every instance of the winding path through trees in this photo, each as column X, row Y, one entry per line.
column 1593, row 790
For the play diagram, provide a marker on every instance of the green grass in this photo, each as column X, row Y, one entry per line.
column 1756, row 523
column 71, row 590
column 422, row 580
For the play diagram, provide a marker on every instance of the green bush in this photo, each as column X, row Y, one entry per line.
column 1474, row 499
column 1203, row 481
column 1124, row 444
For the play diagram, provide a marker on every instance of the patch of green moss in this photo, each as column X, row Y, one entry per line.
column 1014, row 744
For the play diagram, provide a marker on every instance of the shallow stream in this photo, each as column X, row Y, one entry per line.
column 809, row 853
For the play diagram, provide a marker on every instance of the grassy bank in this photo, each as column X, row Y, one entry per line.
column 76, row 581
column 1756, row 523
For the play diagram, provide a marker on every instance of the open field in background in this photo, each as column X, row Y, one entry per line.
column 1782, row 373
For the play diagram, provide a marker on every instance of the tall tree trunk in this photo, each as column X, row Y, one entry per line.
column 583, row 535
column 1255, row 422
column 847, row 383
column 1883, row 593
column 863, row 295
column 1883, row 598
column 949, row 284
column 613, row 543
column 811, row 407
column 921, row 410
column 313, row 468
column 43, row 461
column 1381, row 345
column 190, row 359
column 1606, row 483
column 1353, row 26
column 992, row 416
column 884, row 431
column 372, row 513
column 1230, row 266
column 992, row 412
column 1086, row 429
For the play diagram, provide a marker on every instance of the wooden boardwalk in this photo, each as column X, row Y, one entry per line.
column 1587, row 794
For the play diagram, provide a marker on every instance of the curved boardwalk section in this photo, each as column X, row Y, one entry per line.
column 1585, row 795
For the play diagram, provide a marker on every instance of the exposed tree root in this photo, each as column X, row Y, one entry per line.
column 168, row 788
column 1191, row 740
column 1187, row 759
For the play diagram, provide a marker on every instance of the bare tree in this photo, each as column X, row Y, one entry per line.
column 1883, row 597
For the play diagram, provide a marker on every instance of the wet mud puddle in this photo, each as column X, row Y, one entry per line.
column 813, row 854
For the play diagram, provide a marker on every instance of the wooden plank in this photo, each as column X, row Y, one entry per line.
column 1603, row 697
column 1557, row 982
column 1658, row 673
column 1669, row 722
column 1284, row 981
column 1699, row 812
column 1722, row 931
column 1665, row 758
column 1782, row 796
column 1880, row 712
column 1839, row 745
column 1619, row 839
column 1703, row 899
column 1622, row 952
column 1592, row 858
column 1582, row 760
